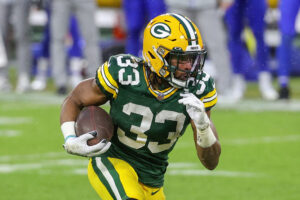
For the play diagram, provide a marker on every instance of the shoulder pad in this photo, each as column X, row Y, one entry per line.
column 206, row 91
column 122, row 69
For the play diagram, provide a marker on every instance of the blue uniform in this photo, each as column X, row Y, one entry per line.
column 289, row 10
column 252, row 12
column 74, row 51
column 137, row 13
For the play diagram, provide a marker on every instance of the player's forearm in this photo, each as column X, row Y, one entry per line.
column 209, row 156
column 207, row 145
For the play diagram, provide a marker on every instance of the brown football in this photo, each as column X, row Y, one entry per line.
column 94, row 119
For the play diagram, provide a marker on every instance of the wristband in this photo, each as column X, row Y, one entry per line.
column 206, row 138
column 68, row 129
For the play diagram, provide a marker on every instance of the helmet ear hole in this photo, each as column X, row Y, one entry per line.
column 167, row 57
column 152, row 56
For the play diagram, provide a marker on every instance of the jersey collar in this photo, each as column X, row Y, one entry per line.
column 159, row 94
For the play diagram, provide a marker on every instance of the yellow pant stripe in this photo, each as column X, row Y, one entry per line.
column 107, row 174
column 109, row 177
column 98, row 186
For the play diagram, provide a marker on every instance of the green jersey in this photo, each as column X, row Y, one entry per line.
column 148, row 122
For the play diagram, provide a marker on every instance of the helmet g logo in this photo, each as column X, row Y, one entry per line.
column 160, row 30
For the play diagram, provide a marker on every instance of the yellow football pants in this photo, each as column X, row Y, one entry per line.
column 115, row 179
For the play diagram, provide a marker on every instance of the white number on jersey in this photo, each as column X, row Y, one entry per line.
column 145, row 125
column 130, row 79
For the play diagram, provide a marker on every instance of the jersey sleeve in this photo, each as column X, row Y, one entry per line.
column 107, row 78
column 207, row 92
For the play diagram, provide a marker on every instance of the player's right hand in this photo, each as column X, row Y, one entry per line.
column 78, row 146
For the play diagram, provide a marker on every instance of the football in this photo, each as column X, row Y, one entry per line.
column 94, row 119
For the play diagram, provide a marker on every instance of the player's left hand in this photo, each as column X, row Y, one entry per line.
column 196, row 110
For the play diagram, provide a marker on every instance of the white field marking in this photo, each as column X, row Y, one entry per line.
column 258, row 105
column 175, row 169
column 247, row 141
column 15, row 120
column 198, row 172
column 181, row 165
column 79, row 171
column 33, row 98
column 10, row 168
column 262, row 140
column 9, row 133
column 54, row 155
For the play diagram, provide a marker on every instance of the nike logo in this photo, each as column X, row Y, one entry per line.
column 153, row 193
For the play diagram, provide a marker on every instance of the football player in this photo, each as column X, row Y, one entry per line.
column 288, row 11
column 152, row 101
column 137, row 13
column 238, row 15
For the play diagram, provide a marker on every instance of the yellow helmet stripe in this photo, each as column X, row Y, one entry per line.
column 189, row 29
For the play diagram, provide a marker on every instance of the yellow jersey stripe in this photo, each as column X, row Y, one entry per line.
column 104, row 84
column 210, row 103
column 210, row 99
column 210, row 94
column 109, row 76
column 107, row 81
column 171, row 93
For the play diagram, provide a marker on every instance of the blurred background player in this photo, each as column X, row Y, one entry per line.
column 252, row 12
column 74, row 54
column 208, row 17
column 137, row 14
column 85, row 14
column 40, row 80
column 16, row 12
column 3, row 55
column 289, row 11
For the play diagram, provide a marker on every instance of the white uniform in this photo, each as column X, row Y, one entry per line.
column 17, row 11
column 85, row 12
column 3, row 56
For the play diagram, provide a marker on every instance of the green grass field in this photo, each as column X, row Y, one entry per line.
column 260, row 154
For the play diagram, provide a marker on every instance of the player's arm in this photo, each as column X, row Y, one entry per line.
column 207, row 144
column 205, row 134
column 86, row 93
